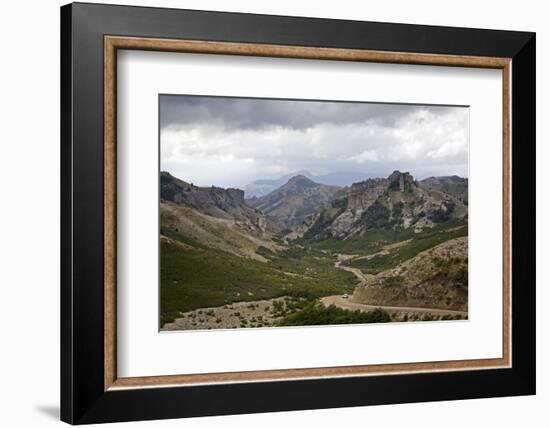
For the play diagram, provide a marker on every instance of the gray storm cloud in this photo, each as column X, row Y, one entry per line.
column 233, row 141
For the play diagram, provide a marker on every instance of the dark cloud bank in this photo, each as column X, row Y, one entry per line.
column 233, row 141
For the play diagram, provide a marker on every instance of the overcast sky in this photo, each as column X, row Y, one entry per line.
column 230, row 142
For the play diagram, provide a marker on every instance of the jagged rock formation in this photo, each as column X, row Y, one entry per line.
column 401, row 182
column 358, row 199
column 435, row 278
column 297, row 199
column 398, row 202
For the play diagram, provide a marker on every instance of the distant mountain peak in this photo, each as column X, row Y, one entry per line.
column 339, row 178
column 301, row 179
column 292, row 202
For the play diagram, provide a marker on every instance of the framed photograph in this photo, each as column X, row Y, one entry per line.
column 266, row 213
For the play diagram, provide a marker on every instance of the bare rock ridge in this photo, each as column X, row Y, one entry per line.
column 221, row 203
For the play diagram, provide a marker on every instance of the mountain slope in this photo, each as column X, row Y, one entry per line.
column 221, row 203
column 291, row 203
column 436, row 278
column 259, row 188
column 453, row 185
column 193, row 229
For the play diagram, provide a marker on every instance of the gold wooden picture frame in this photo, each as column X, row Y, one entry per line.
column 114, row 43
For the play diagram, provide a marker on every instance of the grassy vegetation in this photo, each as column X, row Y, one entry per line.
column 200, row 277
column 289, row 305
column 368, row 244
column 376, row 216
column 174, row 233
column 417, row 244
column 313, row 264
column 317, row 314
column 375, row 239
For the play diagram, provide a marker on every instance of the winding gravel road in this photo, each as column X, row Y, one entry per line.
column 347, row 303
column 340, row 302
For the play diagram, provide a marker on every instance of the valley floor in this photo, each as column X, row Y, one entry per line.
column 263, row 313
column 297, row 286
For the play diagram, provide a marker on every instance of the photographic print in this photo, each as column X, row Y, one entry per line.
column 279, row 212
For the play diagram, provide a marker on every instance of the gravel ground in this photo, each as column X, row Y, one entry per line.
column 259, row 313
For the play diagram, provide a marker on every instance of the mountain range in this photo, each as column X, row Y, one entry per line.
column 404, row 241
column 303, row 208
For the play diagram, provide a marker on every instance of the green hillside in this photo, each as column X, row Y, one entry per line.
column 193, row 278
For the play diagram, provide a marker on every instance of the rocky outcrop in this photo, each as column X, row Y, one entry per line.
column 360, row 197
column 401, row 182
column 396, row 202
column 217, row 202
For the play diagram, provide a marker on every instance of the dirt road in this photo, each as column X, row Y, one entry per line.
column 340, row 302
column 348, row 303
column 357, row 272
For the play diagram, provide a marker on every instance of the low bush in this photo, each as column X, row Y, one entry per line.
column 317, row 314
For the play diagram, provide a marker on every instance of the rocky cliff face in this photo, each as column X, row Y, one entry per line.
column 358, row 199
column 226, row 204
column 293, row 202
column 396, row 202
column 401, row 182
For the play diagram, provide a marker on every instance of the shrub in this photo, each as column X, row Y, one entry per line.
column 318, row 314
column 394, row 280
column 376, row 216
column 278, row 306
column 443, row 213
